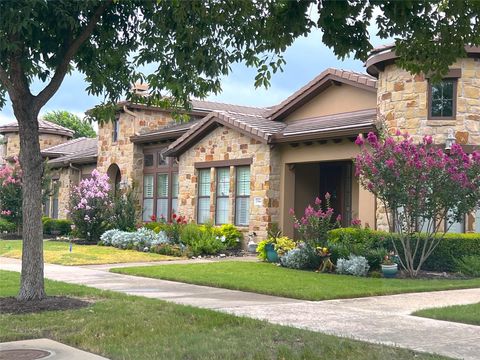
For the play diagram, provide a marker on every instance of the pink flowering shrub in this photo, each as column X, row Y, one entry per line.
column 91, row 206
column 11, row 193
column 421, row 186
column 315, row 223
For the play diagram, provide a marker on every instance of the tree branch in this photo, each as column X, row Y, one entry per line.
column 62, row 68
column 5, row 79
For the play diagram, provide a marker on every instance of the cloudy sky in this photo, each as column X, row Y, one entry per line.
column 306, row 58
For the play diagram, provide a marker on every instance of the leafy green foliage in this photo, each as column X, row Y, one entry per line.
column 56, row 226
column 7, row 226
column 469, row 265
column 124, row 210
column 71, row 121
column 231, row 236
column 453, row 246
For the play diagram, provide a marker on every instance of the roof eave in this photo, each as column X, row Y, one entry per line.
column 323, row 135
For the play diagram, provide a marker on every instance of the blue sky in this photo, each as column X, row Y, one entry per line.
column 306, row 58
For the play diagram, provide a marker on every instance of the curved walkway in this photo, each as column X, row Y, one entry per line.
column 379, row 319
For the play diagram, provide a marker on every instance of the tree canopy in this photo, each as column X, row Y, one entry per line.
column 71, row 121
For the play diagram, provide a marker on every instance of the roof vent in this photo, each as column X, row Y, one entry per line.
column 140, row 89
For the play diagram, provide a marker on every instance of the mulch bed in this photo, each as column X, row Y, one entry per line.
column 10, row 305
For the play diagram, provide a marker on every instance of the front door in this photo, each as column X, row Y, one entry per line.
column 336, row 179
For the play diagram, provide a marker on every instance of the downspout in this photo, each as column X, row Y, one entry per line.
column 131, row 113
column 79, row 171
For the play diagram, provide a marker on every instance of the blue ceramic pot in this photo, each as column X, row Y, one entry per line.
column 272, row 255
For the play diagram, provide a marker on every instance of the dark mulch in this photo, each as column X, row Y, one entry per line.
column 10, row 305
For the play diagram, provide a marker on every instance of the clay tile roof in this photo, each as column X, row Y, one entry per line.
column 216, row 106
column 166, row 133
column 70, row 147
column 319, row 83
column 44, row 127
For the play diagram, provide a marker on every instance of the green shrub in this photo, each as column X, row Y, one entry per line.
column 233, row 236
column 261, row 251
column 56, row 226
column 190, row 234
column 169, row 249
column 7, row 226
column 124, row 210
column 469, row 265
column 452, row 247
column 207, row 244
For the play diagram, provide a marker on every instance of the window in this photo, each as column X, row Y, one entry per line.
column 242, row 196
column 203, row 214
column 442, row 99
column 148, row 194
column 223, row 193
column 160, row 185
column 116, row 130
column 175, row 193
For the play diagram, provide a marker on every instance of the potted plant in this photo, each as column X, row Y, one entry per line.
column 390, row 265
column 272, row 248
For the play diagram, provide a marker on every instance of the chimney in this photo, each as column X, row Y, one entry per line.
column 140, row 89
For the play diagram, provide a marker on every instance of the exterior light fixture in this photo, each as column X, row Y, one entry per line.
column 450, row 140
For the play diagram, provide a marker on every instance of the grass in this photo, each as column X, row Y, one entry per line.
column 269, row 279
column 467, row 314
column 125, row 327
column 56, row 252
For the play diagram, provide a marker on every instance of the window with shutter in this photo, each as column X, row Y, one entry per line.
column 148, row 192
column 162, row 196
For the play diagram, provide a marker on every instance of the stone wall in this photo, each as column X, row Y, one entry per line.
column 124, row 153
column 46, row 141
column 228, row 144
column 403, row 104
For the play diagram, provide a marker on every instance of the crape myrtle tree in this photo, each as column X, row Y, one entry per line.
column 192, row 44
column 422, row 188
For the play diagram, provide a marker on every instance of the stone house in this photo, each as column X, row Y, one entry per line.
column 249, row 166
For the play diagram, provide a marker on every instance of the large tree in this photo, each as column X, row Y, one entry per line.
column 81, row 128
column 192, row 44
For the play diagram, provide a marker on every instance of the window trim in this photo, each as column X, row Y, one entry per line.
column 241, row 196
column 454, row 100
column 169, row 168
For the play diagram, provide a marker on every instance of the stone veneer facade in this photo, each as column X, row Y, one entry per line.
column 227, row 144
column 46, row 141
column 402, row 103
column 124, row 153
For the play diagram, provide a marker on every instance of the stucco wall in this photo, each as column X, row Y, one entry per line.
column 363, row 202
column 334, row 100
column 228, row 144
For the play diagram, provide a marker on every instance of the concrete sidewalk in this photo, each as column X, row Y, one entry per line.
column 379, row 319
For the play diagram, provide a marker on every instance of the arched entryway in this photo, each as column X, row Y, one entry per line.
column 115, row 177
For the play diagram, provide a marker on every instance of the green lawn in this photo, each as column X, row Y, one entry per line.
column 273, row 280
column 125, row 327
column 467, row 314
column 56, row 252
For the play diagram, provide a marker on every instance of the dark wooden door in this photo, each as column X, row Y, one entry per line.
column 335, row 178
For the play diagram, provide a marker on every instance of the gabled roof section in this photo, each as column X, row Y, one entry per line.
column 44, row 127
column 166, row 133
column 252, row 125
column 70, row 147
column 321, row 82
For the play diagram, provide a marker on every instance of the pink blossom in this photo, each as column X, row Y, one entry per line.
column 339, row 218
column 318, row 201
column 327, row 196
column 291, row 211
column 359, row 141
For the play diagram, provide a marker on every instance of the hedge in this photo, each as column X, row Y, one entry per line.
column 7, row 226
column 56, row 226
column 453, row 246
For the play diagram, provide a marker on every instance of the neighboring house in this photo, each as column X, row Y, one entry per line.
column 249, row 166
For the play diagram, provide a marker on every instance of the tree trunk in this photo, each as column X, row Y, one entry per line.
column 32, row 284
